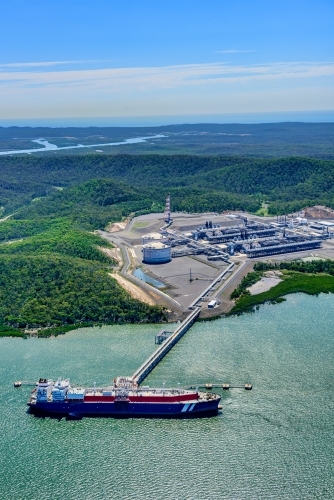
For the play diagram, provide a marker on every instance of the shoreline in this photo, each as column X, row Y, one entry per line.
column 292, row 282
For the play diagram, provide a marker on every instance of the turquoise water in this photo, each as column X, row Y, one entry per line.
column 148, row 279
column 274, row 442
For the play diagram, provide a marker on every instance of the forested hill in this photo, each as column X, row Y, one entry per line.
column 52, row 274
column 196, row 183
column 51, row 269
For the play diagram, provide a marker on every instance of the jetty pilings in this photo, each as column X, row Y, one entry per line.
column 142, row 372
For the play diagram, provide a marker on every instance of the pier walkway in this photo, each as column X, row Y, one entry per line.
column 142, row 372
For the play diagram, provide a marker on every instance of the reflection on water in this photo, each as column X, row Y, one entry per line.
column 271, row 443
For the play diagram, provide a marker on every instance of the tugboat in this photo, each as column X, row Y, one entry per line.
column 123, row 399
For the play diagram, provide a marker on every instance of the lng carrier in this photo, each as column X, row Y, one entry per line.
column 123, row 399
column 126, row 398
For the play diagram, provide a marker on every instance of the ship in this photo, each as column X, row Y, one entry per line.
column 122, row 399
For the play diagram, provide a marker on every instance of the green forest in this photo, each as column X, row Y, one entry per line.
column 51, row 290
column 54, row 275
column 52, row 270
column 262, row 140
column 141, row 182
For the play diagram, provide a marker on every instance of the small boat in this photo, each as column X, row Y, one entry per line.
column 18, row 383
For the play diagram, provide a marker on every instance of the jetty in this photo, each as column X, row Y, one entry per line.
column 142, row 372
column 19, row 383
column 166, row 340
column 225, row 387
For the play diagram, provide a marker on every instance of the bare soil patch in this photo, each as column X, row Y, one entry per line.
column 114, row 253
column 134, row 291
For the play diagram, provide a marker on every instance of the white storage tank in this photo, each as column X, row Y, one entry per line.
column 156, row 252
column 147, row 238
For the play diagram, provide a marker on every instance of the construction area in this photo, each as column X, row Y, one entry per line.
column 183, row 260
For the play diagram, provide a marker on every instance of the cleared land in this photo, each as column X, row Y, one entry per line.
column 263, row 285
column 134, row 291
column 176, row 274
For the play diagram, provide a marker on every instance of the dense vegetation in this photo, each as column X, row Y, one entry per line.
column 249, row 280
column 56, row 199
column 312, row 266
column 94, row 204
column 46, row 290
column 311, row 277
column 55, row 275
column 196, row 183
column 60, row 238
column 266, row 140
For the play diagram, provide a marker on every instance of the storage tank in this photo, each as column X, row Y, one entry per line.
column 147, row 238
column 156, row 252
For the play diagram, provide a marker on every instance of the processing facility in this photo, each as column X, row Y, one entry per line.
column 247, row 237
column 156, row 252
column 233, row 234
column 157, row 237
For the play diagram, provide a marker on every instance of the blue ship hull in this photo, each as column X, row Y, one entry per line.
column 126, row 409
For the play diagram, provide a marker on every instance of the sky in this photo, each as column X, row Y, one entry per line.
column 136, row 62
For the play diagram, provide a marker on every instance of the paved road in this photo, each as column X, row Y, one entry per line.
column 168, row 301
column 234, row 275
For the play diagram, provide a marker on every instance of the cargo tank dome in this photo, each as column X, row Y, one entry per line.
column 156, row 252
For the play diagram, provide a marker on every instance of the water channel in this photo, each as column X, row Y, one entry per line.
column 48, row 146
column 274, row 442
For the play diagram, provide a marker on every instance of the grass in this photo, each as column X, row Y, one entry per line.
column 140, row 225
column 293, row 282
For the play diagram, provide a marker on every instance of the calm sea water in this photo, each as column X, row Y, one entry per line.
column 274, row 442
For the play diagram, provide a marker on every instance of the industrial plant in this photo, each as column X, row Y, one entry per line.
column 156, row 252
column 246, row 237
column 180, row 260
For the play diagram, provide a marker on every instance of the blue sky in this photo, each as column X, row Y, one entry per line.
column 135, row 61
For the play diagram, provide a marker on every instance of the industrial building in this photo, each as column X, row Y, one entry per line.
column 283, row 245
column 148, row 238
column 156, row 252
column 214, row 233
column 218, row 242
column 256, row 239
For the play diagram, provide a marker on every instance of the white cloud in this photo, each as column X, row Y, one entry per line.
column 39, row 64
column 166, row 77
column 190, row 88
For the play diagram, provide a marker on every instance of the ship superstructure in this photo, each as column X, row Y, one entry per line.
column 124, row 398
